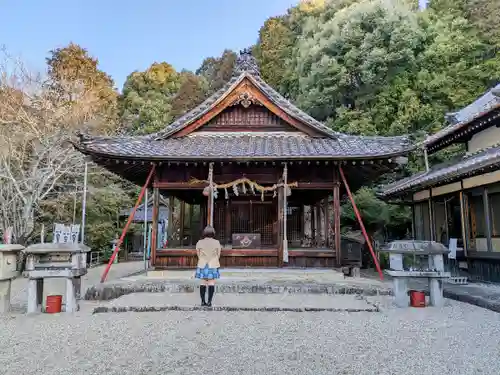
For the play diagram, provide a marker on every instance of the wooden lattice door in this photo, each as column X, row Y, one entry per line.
column 254, row 217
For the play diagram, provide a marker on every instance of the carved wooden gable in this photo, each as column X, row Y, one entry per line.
column 246, row 108
column 242, row 117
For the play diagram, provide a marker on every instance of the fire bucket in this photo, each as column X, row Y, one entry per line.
column 417, row 298
column 54, row 304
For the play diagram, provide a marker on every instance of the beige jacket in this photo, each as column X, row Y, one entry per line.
column 208, row 250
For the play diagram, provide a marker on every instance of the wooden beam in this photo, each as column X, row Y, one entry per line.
column 170, row 224
column 336, row 214
column 227, row 219
column 280, row 213
column 325, row 221
column 182, row 221
column 179, row 186
column 487, row 218
column 154, row 223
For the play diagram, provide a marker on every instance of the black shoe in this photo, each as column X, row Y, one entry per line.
column 204, row 303
column 209, row 304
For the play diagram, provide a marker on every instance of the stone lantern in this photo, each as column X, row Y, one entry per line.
column 8, row 271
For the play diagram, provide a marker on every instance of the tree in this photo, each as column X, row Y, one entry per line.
column 72, row 70
column 36, row 158
column 346, row 60
column 217, row 70
column 146, row 101
column 192, row 92
column 274, row 47
column 41, row 173
column 482, row 14
column 378, row 216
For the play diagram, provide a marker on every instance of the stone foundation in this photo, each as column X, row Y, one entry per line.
column 111, row 291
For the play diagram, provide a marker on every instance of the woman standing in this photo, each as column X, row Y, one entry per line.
column 208, row 250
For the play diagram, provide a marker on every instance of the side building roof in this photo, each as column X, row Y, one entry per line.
column 468, row 165
column 460, row 121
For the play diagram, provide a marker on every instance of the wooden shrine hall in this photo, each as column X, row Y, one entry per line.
column 266, row 175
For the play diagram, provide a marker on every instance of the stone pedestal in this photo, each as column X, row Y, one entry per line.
column 8, row 271
column 401, row 275
column 57, row 260
column 5, row 288
column 400, row 286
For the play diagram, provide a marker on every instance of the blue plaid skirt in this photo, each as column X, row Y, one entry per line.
column 207, row 273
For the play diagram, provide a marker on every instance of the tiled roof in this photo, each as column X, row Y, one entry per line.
column 482, row 106
column 246, row 145
column 245, row 67
column 488, row 159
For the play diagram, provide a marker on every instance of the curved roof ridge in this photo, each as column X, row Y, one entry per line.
column 483, row 105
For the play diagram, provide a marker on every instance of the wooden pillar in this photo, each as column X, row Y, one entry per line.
column 487, row 218
column 170, row 224
column 191, row 229
column 182, row 219
column 413, row 234
column 326, row 220
column 319, row 229
column 210, row 206
column 227, row 219
column 336, row 214
column 281, row 208
column 431, row 218
column 464, row 220
column 302, row 221
column 313, row 225
column 154, row 223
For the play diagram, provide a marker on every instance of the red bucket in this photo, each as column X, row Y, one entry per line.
column 54, row 304
column 417, row 298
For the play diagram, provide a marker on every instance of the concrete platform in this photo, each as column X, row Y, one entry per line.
column 261, row 281
column 147, row 302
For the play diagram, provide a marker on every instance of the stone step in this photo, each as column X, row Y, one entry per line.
column 458, row 280
column 151, row 302
column 108, row 291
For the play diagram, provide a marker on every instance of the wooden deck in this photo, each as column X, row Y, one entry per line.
column 186, row 258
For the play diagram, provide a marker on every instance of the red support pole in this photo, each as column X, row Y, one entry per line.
column 130, row 218
column 358, row 216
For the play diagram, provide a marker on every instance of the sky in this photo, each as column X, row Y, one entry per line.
column 130, row 35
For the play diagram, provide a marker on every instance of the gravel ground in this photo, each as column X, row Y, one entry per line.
column 458, row 339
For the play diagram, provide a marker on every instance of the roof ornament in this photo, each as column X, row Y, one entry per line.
column 83, row 137
column 246, row 62
column 451, row 117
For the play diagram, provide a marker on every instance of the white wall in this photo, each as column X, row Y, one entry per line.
column 486, row 138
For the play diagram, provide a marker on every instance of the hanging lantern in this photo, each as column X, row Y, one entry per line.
column 206, row 191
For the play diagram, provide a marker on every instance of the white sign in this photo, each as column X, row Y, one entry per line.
column 66, row 233
column 453, row 248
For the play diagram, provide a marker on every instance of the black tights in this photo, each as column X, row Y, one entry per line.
column 211, row 291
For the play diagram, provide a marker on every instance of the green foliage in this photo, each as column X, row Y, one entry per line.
column 217, row 70
column 73, row 70
column 192, row 92
column 146, row 101
column 376, row 214
column 274, row 46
